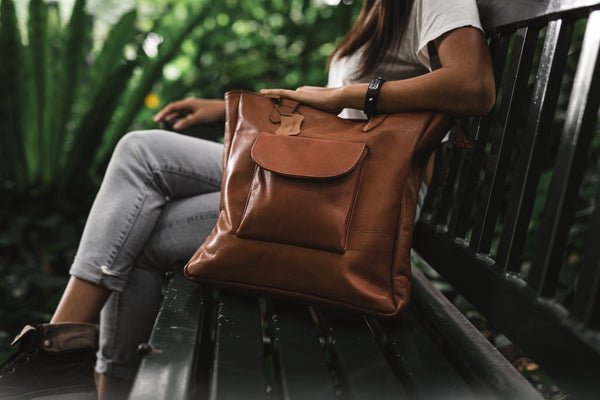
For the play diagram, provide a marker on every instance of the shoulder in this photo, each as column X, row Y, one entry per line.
column 431, row 19
column 435, row 17
column 445, row 10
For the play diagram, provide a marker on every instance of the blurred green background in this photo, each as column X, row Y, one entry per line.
column 76, row 75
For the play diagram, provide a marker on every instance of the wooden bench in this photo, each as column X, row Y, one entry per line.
column 477, row 231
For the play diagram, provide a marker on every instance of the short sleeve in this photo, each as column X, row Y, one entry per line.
column 436, row 17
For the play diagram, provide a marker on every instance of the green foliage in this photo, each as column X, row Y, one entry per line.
column 59, row 94
column 150, row 74
column 248, row 45
column 11, row 94
column 69, row 91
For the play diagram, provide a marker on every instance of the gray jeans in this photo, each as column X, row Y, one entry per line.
column 157, row 203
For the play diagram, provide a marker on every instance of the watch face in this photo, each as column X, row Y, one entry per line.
column 374, row 84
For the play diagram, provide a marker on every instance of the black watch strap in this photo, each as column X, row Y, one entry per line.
column 372, row 95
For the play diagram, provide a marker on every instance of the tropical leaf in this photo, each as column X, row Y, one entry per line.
column 121, row 34
column 53, row 91
column 14, row 167
column 150, row 74
column 93, row 124
column 77, row 36
column 109, row 75
column 38, row 53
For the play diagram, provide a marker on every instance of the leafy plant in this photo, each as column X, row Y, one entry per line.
column 59, row 95
column 254, row 45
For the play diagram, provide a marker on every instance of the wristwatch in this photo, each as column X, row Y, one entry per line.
column 372, row 95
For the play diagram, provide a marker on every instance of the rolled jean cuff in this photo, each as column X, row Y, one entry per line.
column 114, row 369
column 97, row 275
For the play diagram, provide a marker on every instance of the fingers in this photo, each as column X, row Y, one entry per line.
column 278, row 93
column 310, row 88
column 170, row 116
column 314, row 96
column 173, row 110
column 159, row 116
column 273, row 93
column 187, row 121
column 294, row 94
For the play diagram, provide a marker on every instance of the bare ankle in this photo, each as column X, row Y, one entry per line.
column 112, row 388
column 81, row 302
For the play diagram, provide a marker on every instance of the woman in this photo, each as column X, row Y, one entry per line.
column 160, row 195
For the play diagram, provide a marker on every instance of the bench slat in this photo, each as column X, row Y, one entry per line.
column 537, row 134
column 586, row 305
column 504, row 138
column 474, row 158
column 238, row 362
column 431, row 207
column 299, row 356
column 425, row 369
column 535, row 325
column 576, row 137
column 474, row 351
column 443, row 207
column 496, row 15
column 437, row 207
column 168, row 371
column 363, row 370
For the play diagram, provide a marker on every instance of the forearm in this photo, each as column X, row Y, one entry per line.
column 457, row 92
column 192, row 111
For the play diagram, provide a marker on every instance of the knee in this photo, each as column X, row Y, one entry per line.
column 137, row 146
column 135, row 141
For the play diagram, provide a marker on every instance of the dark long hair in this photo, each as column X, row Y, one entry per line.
column 379, row 27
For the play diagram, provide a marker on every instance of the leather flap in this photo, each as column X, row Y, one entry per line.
column 303, row 157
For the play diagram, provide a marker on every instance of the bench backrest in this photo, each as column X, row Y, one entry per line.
column 509, row 223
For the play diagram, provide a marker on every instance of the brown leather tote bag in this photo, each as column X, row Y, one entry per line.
column 324, row 217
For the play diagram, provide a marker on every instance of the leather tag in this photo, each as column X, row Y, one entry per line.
column 290, row 125
column 24, row 332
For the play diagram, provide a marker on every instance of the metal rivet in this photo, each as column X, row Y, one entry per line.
column 47, row 343
column 145, row 348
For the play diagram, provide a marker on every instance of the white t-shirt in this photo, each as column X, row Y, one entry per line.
column 429, row 20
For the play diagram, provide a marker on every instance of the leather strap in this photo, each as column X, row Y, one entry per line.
column 372, row 95
column 284, row 107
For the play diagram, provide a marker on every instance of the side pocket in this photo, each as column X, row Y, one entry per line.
column 303, row 191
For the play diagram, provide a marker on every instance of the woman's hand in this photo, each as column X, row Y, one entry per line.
column 192, row 111
column 326, row 99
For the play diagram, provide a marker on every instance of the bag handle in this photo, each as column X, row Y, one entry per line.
column 284, row 106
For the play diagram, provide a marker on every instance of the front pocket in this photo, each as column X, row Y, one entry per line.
column 303, row 191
